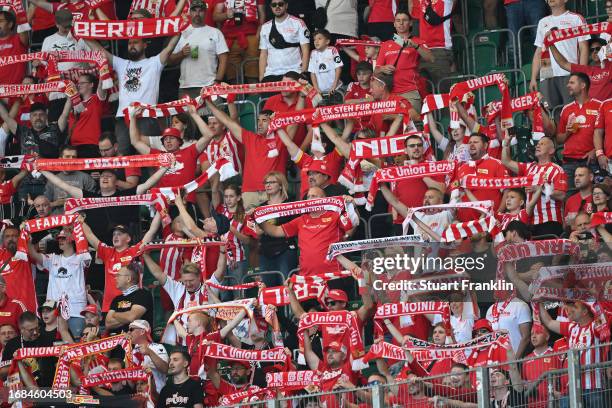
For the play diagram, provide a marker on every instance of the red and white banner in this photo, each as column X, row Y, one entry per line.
column 278, row 295
column 45, row 223
column 284, row 119
column 130, row 374
column 224, row 310
column 356, row 110
column 342, row 318
column 66, row 87
column 522, row 103
column 339, row 248
column 389, row 310
column 485, row 207
column 473, row 182
column 254, row 393
column 583, row 30
column 224, row 352
column 293, row 380
column 162, row 110
column 98, row 58
column 270, row 212
column 156, row 201
column 126, row 29
column 101, row 163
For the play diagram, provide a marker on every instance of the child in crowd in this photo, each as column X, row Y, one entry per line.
column 325, row 64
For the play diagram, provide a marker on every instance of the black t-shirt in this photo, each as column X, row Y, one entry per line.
column 515, row 399
column 123, row 303
column 102, row 220
column 272, row 246
column 43, row 369
column 183, row 395
column 46, row 142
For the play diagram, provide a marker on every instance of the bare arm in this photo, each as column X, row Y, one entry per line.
column 62, row 121
column 48, row 7
column 400, row 207
column 222, row 66
column 535, row 197
column 311, row 357
column 292, row 148
column 583, row 51
column 91, row 238
column 180, row 5
column 135, row 136
column 150, row 234
column 366, row 310
column 397, row 335
column 96, row 46
column 545, row 318
column 263, row 63
column 190, row 225
column 219, row 273
column 395, row 125
column 155, row 269
column 535, row 69
column 121, row 318
column 561, row 60
column 506, row 156
column 232, row 324
column 296, row 306
column 165, row 53
column 7, row 119
column 61, row 184
column 305, row 48
column 342, row 145
column 151, row 181
column 525, row 329
column 16, row 180
column 233, row 126
column 272, row 230
column 36, row 256
column 130, row 182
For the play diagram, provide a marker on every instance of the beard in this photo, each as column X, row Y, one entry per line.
column 134, row 54
column 11, row 246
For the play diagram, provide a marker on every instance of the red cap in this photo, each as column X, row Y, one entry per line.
column 321, row 167
column 172, row 131
column 334, row 345
column 482, row 324
column 93, row 309
column 337, row 294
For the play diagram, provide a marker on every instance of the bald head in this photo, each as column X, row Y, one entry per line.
column 315, row 192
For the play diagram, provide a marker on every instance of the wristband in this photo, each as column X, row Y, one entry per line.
column 599, row 153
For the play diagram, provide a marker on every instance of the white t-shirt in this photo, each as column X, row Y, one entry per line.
column 281, row 61
column 514, row 314
column 67, row 275
column 138, row 81
column 323, row 64
column 203, row 70
column 341, row 16
column 568, row 48
column 57, row 42
column 3, row 138
column 160, row 378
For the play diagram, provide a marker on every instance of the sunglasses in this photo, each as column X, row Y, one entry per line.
column 280, row 4
column 331, row 303
column 415, row 145
column 595, row 49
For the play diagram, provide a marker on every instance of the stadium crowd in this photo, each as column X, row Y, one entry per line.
column 193, row 192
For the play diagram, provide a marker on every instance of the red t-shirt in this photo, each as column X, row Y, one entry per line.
column 356, row 91
column 183, row 171
column 506, row 218
column 436, row 36
column 406, row 73
column 333, row 162
column 263, row 154
column 601, row 78
column 14, row 73
column 314, row 237
column 88, row 127
column 416, row 326
column 80, row 10
column 195, row 348
column 532, row 369
column 276, row 103
column 113, row 261
column 250, row 24
column 19, row 282
column 440, row 367
column 7, row 190
column 410, row 193
column 605, row 118
column 579, row 143
column 379, row 124
column 381, row 11
column 485, row 167
column 42, row 19
column 575, row 203
column 10, row 310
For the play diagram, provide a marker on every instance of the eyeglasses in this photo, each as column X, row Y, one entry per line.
column 598, row 193
column 415, row 145
column 280, row 4
column 270, row 182
column 595, row 49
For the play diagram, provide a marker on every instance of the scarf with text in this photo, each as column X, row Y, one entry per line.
column 352, row 42
column 12, row 162
column 94, row 380
column 101, row 163
column 293, row 380
column 411, row 171
column 66, row 87
column 73, row 75
column 343, row 319
column 278, row 295
column 340, row 248
column 253, row 394
column 97, row 58
column 184, row 243
column 154, row 201
column 389, row 310
column 573, row 32
column 126, row 29
column 242, row 89
column 485, row 207
column 284, row 119
column 248, row 285
column 601, row 218
column 45, row 57
column 522, row 103
column 162, row 110
column 16, row 7
column 473, row 182
column 224, row 310
column 272, row 211
column 460, row 89
column 224, row 352
column 46, row 223
column 470, row 228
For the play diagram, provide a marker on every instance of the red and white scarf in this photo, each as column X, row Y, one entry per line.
column 225, row 352
column 322, row 277
column 389, row 310
column 16, row 7
column 12, row 162
column 411, row 171
column 284, row 119
column 248, row 285
column 343, row 319
column 252, row 394
column 352, row 42
column 437, row 280
column 49, row 59
column 278, row 295
column 126, row 29
column 356, row 110
column 293, row 380
column 522, row 103
column 573, row 32
column 66, row 87
column 485, row 207
column 280, row 86
column 473, row 182
column 601, row 218
column 470, row 228
column 162, row 110
column 98, row 58
column 73, row 75
column 101, row 163
column 129, row 374
column 272, row 211
column 184, row 243
column 155, row 201
column 339, row 248
column 46, row 223
column 224, row 310
column 460, row 89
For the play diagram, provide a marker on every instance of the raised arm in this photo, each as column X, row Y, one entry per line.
column 535, row 197
column 393, row 201
column 202, row 127
column 547, row 321
column 62, row 121
column 180, row 5
column 167, row 51
column 233, row 323
column 135, row 136
column 188, row 222
column 535, row 69
column 506, row 155
column 96, row 46
column 36, row 256
column 43, row 4
column 561, row 60
column 366, row 310
column 61, row 184
column 91, row 238
column 311, row 357
column 151, row 181
column 342, row 145
column 155, row 269
column 150, row 234
column 292, row 148
column 7, row 119
column 272, row 230
column 296, row 306
column 233, row 126
column 16, row 180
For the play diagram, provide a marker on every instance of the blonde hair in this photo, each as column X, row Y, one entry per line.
column 282, row 180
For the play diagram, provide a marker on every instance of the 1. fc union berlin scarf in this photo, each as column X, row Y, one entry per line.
column 573, row 32
column 279, row 86
column 389, row 310
column 470, row 228
column 278, row 295
column 343, row 319
column 473, row 182
column 460, row 89
column 293, row 380
column 162, row 110
column 225, row 352
column 45, row 223
column 16, row 7
column 485, row 207
column 411, row 171
column 94, row 57
column 126, row 29
column 65, row 87
column 339, row 248
column 126, row 374
column 224, row 310
column 252, row 394
column 101, row 163
column 522, row 103
column 602, row 217
column 352, row 42
column 269, row 212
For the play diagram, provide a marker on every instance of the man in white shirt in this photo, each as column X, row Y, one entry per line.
column 147, row 354
column 202, row 52
column 284, row 44
column 553, row 78
column 512, row 314
column 138, row 78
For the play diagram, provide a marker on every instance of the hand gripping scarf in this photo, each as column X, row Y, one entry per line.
column 162, row 110
column 101, row 163
column 470, row 228
column 389, row 310
column 73, row 75
column 13, row 162
column 460, row 89
column 293, row 380
column 45, row 223
column 269, row 212
column 342, row 319
column 126, row 29
column 126, row 374
column 485, row 207
column 278, row 295
column 340, row 248
column 522, row 103
column 225, row 352
column 279, row 86
column 573, row 32
column 252, row 394
column 16, row 7
column 411, row 171
column 65, row 87
column 49, row 59
column 224, row 310
column 97, row 58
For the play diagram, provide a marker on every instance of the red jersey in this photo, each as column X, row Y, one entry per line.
column 532, row 369
column 333, row 162
column 171, row 259
column 227, row 146
column 329, row 378
column 194, row 347
column 113, row 261
column 410, row 193
column 10, row 310
column 277, row 103
column 250, row 23
column 7, row 190
column 42, row 19
column 264, row 153
column 19, row 282
column 88, row 127
column 158, row 8
column 485, row 167
column 506, row 218
column 406, row 67
column 605, row 118
column 381, row 11
column 416, row 326
column 183, row 171
column 600, row 88
column 356, row 91
column 577, row 203
column 80, row 10
column 14, row 73
column 440, row 367
column 587, row 339
column 560, row 346
column 546, row 209
column 436, row 36
column 378, row 122
column 315, row 234
column 580, row 143
column 234, row 246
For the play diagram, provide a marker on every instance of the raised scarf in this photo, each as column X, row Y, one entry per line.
column 98, row 58
column 579, row 31
column 470, row 228
column 162, row 110
column 279, row 86
column 225, row 352
column 66, row 87
column 184, row 243
column 46, row 223
column 272, row 211
column 342, row 318
column 16, row 7
column 411, row 171
column 460, row 89
column 522, row 103
column 126, row 29
column 356, row 110
column 473, row 182
column 248, row 285
column 252, row 394
column 230, row 309
column 485, row 207
column 73, row 75
column 352, row 42
column 293, row 380
column 389, row 310
column 12, row 162
column 155, row 201
column 320, row 278
column 129, row 374
column 101, row 163
column 278, row 295
column 601, row 218
column 339, row 248
column 284, row 119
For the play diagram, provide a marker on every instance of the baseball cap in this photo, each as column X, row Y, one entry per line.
column 121, row 228
column 63, row 17
column 334, row 345
column 337, row 294
column 196, row 4
column 321, row 167
column 223, row 223
column 482, row 324
column 142, row 324
column 171, row 131
column 49, row 304
column 93, row 309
